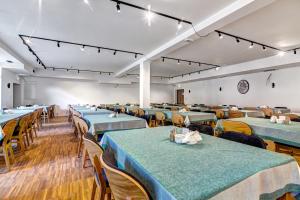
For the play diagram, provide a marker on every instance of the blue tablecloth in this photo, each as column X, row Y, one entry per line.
column 173, row 171
column 285, row 134
column 101, row 123
column 85, row 112
column 193, row 116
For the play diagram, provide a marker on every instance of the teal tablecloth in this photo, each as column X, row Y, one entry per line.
column 193, row 116
column 101, row 123
column 173, row 171
column 152, row 111
column 285, row 134
column 85, row 112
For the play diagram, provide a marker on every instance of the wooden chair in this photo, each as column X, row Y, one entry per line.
column 293, row 117
column 5, row 145
column 174, row 109
column 95, row 151
column 236, row 126
column 123, row 185
column 220, row 114
column 122, row 109
column 135, row 112
column 235, row 114
column 141, row 112
column 268, row 112
column 83, row 129
column 177, row 119
column 39, row 118
column 34, row 122
column 30, row 128
column 160, row 118
column 45, row 115
column 20, row 136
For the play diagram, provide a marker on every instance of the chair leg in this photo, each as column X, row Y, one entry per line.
column 31, row 135
column 6, row 157
column 21, row 142
column 27, row 138
column 94, row 190
column 34, row 129
column 84, row 157
column 11, row 153
column 79, row 147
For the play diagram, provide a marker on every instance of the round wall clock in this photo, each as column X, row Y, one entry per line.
column 243, row 86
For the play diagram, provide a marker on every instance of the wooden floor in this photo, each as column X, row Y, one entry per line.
column 50, row 169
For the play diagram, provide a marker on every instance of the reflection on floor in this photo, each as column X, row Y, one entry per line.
column 50, row 168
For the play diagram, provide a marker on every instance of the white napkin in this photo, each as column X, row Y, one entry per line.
column 190, row 137
column 93, row 108
column 182, row 110
column 234, row 108
column 112, row 115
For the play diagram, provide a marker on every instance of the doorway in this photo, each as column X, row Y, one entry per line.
column 16, row 95
column 180, row 96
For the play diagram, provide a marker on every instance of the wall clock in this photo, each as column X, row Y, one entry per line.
column 243, row 86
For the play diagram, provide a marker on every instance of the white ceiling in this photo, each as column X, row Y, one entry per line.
column 275, row 25
column 95, row 24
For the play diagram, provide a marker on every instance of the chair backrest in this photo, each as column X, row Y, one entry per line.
column 177, row 119
column 23, row 124
column 76, row 113
column 135, row 111
column 123, row 185
column 8, row 130
column 92, row 146
column 236, row 126
column 252, row 140
column 267, row 111
column 174, row 108
column 141, row 112
column 293, row 117
column 220, row 114
column 235, row 114
column 82, row 125
column 122, row 109
column 160, row 116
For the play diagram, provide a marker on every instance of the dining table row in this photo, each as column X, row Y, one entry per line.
column 185, row 154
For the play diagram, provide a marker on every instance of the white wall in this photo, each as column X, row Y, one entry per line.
column 63, row 92
column 285, row 93
column 7, row 93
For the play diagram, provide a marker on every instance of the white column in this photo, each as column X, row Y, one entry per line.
column 145, row 84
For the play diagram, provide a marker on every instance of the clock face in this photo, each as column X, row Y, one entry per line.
column 243, row 86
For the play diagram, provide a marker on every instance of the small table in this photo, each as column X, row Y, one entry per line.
column 281, row 133
column 102, row 122
column 214, row 169
column 193, row 117
column 94, row 112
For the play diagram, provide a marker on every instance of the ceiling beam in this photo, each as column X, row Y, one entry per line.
column 255, row 66
column 233, row 12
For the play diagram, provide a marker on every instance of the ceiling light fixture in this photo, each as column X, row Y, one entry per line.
column 58, row 44
column 86, row 1
column 118, row 7
column 237, row 40
column 82, row 48
column 251, row 45
column 135, row 56
column 99, row 50
column 178, row 62
column 295, row 51
column 221, row 36
column 264, row 48
column 217, row 68
column 190, row 62
column 115, row 52
column 163, row 59
column 179, row 26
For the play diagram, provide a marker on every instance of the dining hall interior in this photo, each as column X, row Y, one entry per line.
column 150, row 99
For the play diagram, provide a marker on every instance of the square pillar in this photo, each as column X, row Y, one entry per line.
column 145, row 84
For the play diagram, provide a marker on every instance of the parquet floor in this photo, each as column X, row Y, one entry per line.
column 50, row 169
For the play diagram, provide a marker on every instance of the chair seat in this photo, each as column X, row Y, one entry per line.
column 206, row 129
